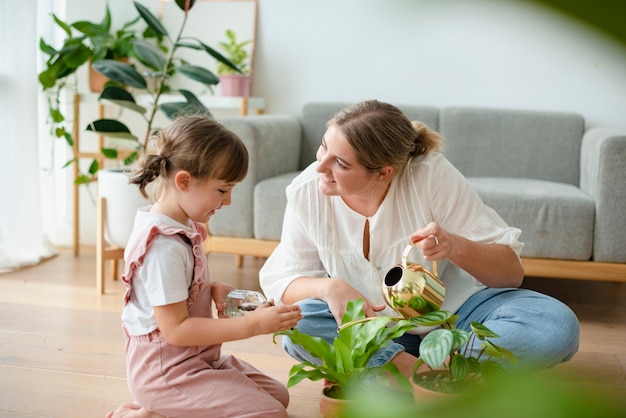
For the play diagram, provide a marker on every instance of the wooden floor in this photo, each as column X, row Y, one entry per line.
column 61, row 350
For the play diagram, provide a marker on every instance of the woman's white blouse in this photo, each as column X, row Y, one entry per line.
column 322, row 237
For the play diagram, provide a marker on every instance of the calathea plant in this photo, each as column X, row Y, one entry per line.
column 448, row 350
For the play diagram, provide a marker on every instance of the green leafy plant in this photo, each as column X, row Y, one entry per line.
column 153, row 82
column 344, row 363
column 449, row 349
column 84, row 42
column 236, row 53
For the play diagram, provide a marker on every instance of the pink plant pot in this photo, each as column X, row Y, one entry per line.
column 235, row 85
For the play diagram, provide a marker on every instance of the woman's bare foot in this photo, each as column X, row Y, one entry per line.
column 132, row 410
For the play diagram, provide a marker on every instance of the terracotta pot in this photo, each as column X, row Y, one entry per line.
column 98, row 80
column 331, row 407
column 235, row 85
column 422, row 394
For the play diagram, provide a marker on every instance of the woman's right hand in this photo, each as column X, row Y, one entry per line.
column 270, row 318
column 338, row 293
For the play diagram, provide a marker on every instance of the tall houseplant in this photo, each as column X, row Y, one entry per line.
column 84, row 42
column 153, row 82
column 117, row 202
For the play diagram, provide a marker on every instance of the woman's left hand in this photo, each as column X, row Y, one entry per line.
column 219, row 291
column 433, row 240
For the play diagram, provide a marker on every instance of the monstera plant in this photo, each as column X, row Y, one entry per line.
column 160, row 66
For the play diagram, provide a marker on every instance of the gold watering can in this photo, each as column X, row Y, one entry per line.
column 411, row 290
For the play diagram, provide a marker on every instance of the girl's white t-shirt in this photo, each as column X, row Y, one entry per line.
column 164, row 276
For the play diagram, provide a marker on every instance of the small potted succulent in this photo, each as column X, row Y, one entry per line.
column 445, row 365
column 235, row 81
column 343, row 364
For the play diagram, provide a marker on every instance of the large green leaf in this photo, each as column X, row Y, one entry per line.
column 436, row 346
column 482, row 331
column 183, row 4
column 173, row 109
column 431, row 319
column 66, row 28
column 109, row 152
column 149, row 54
column 343, row 357
column 493, row 350
column 192, row 99
column 459, row 367
column 492, row 372
column 112, row 128
column 318, row 347
column 199, row 74
column 460, row 338
column 121, row 97
column 299, row 372
column 120, row 72
column 45, row 48
column 151, row 19
column 91, row 29
column 201, row 46
column 75, row 55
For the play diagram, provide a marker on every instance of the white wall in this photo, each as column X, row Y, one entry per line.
column 489, row 53
column 441, row 52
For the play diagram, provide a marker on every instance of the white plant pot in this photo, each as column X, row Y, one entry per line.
column 122, row 201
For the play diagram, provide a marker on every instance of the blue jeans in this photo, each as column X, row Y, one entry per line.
column 540, row 330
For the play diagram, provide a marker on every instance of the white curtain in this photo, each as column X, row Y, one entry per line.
column 22, row 241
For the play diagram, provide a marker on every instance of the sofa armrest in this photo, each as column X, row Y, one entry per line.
column 603, row 177
column 273, row 143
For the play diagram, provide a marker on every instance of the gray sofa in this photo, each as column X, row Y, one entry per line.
column 562, row 183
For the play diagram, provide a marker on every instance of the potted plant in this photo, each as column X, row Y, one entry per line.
column 450, row 367
column 235, row 82
column 130, row 84
column 85, row 42
column 153, row 82
column 343, row 364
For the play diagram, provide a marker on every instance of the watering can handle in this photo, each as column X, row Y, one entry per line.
column 405, row 256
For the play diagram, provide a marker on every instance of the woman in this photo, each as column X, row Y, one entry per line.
column 380, row 182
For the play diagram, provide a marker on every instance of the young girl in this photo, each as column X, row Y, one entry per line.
column 175, row 367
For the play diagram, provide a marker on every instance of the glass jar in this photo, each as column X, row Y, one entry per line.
column 243, row 302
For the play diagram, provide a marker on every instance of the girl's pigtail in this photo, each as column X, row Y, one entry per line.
column 151, row 168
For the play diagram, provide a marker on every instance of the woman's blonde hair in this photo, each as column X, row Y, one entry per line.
column 382, row 135
column 198, row 144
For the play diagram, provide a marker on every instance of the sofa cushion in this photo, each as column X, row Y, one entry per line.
column 273, row 143
column 513, row 143
column 556, row 219
column 270, row 201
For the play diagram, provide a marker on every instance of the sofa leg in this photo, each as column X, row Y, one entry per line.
column 238, row 261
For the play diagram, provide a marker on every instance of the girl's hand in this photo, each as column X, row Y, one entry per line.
column 219, row 291
column 434, row 241
column 270, row 318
